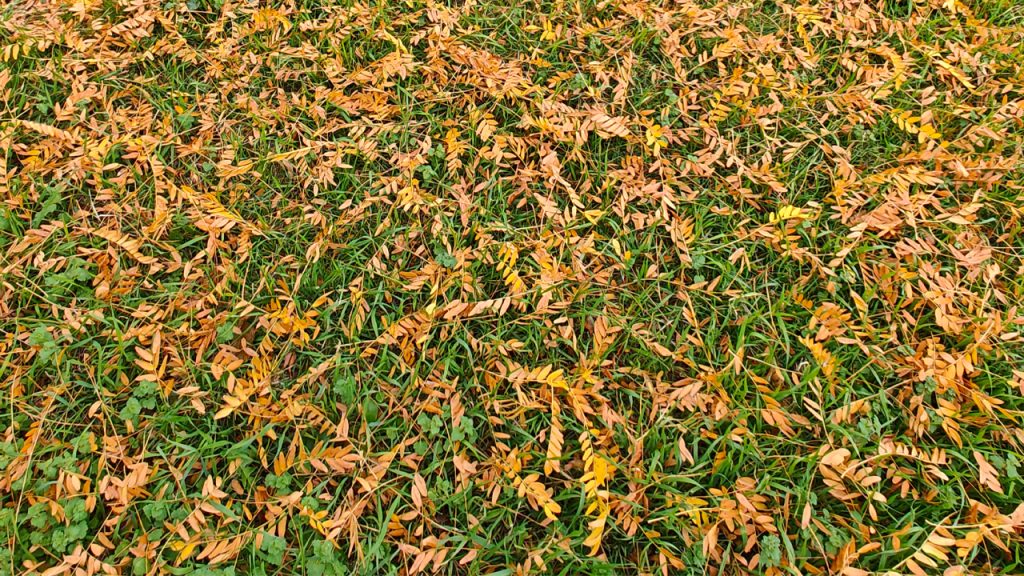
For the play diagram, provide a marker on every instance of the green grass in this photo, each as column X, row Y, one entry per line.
column 338, row 360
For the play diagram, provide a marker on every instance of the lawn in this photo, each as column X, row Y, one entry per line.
column 567, row 287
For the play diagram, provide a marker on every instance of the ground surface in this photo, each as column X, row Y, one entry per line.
column 511, row 287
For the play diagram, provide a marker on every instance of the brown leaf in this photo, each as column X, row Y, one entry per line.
column 987, row 474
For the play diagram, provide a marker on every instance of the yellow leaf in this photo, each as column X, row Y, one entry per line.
column 656, row 137
column 956, row 73
column 555, row 380
column 789, row 213
column 593, row 216
column 184, row 550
